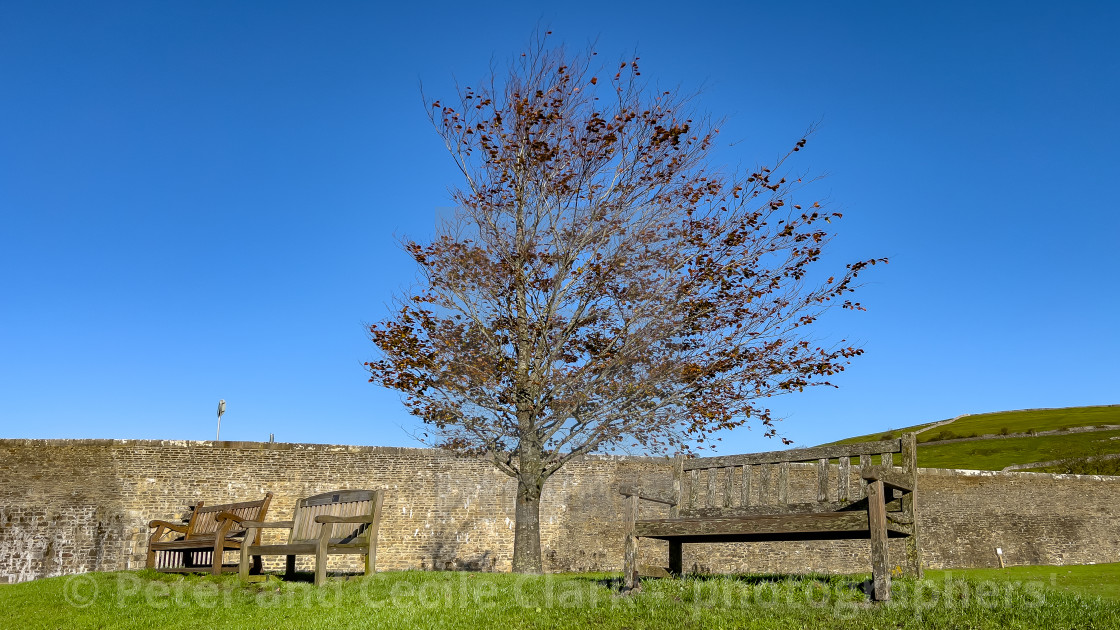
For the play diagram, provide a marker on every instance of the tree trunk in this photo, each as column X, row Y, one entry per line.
column 527, row 527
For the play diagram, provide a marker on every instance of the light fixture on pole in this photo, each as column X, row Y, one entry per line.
column 221, row 410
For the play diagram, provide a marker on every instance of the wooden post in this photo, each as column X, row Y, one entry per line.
column 678, row 472
column 844, row 483
column 372, row 531
column 220, row 546
column 325, row 530
column 151, row 564
column 783, row 483
column 676, row 558
column 822, row 480
column 693, row 482
column 877, row 522
column 630, row 553
column 764, row 484
column 728, row 479
column 246, row 549
column 864, row 464
column 910, row 506
column 747, row 485
column 712, row 486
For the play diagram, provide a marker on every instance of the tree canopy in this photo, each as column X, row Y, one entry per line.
column 601, row 284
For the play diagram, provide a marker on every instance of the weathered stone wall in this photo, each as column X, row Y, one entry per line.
column 69, row 506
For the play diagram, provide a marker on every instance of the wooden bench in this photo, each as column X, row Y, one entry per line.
column 202, row 540
column 747, row 498
column 339, row 522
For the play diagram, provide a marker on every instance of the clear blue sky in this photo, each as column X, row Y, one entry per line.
column 201, row 200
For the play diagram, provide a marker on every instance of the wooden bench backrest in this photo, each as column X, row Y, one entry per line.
column 204, row 522
column 337, row 503
column 762, row 479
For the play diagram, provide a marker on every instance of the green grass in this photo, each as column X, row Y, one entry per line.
column 1024, row 421
column 1012, row 421
column 1010, row 599
column 883, row 435
column 996, row 454
column 1088, row 580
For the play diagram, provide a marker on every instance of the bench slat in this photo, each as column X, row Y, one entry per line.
column 891, row 477
column 894, row 506
column 770, row 524
column 833, row 451
column 230, row 507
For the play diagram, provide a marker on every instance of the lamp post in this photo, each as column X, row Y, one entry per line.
column 221, row 410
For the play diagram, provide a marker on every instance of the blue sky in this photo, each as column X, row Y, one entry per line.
column 203, row 200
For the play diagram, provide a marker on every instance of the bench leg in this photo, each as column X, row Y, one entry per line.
column 914, row 556
column 676, row 558
column 217, row 557
column 243, row 564
column 630, row 553
column 877, row 520
column 290, row 567
column 913, row 541
column 373, row 531
column 321, row 565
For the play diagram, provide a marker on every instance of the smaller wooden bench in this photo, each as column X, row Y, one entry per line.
column 339, row 522
column 748, row 498
column 202, row 540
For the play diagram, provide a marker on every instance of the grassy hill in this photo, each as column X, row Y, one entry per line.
column 1079, row 438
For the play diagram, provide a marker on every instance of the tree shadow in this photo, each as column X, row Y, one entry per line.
column 748, row 579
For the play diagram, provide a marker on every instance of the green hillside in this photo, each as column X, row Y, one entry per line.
column 993, row 441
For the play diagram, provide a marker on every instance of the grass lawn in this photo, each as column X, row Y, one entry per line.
column 1014, row 598
column 1023, row 421
column 1099, row 580
column 1013, row 421
column 996, row 454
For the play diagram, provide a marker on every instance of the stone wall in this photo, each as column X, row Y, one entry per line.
column 69, row 506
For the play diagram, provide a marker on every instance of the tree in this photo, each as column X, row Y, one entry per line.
column 601, row 286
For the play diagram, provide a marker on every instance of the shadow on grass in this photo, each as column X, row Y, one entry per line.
column 747, row 579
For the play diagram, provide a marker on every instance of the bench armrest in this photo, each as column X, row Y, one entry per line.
column 268, row 524
column 178, row 527
column 889, row 476
column 631, row 491
column 327, row 518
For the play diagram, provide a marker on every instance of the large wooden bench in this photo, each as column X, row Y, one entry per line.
column 748, row 498
column 199, row 544
column 338, row 522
